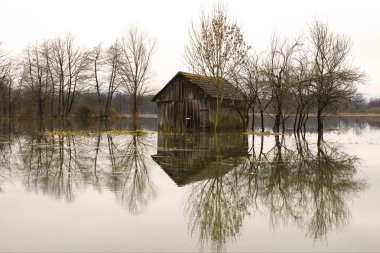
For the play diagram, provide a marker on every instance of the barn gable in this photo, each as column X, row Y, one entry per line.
column 178, row 89
column 188, row 102
column 206, row 84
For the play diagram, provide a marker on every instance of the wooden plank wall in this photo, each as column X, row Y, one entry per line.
column 179, row 107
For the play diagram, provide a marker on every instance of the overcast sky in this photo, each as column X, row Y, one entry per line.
column 94, row 21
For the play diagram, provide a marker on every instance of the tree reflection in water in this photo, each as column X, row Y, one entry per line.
column 135, row 188
column 61, row 164
column 292, row 181
column 308, row 185
column 211, row 165
column 7, row 154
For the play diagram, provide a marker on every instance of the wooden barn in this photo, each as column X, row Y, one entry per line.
column 188, row 103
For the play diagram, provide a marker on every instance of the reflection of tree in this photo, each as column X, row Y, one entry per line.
column 209, row 162
column 291, row 180
column 130, row 174
column 308, row 185
column 332, row 184
column 216, row 209
column 7, row 156
column 52, row 164
column 61, row 164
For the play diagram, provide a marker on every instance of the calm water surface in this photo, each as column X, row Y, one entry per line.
column 99, row 190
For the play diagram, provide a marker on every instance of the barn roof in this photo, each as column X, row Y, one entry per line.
column 206, row 83
column 178, row 169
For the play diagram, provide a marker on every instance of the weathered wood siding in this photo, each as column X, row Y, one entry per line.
column 183, row 106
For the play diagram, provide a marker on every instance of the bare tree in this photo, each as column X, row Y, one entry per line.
column 35, row 77
column 8, row 93
column 46, row 52
column 251, row 84
column 97, row 61
column 135, row 71
column 278, row 74
column 216, row 49
column 77, row 66
column 301, row 90
column 334, row 79
column 58, row 69
column 70, row 65
column 107, row 66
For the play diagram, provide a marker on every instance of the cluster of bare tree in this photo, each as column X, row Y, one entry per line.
column 310, row 74
column 294, row 77
column 7, row 83
column 366, row 106
column 53, row 73
column 127, row 63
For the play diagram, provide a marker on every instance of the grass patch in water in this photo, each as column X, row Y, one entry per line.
column 129, row 132
column 263, row 133
column 80, row 133
column 63, row 133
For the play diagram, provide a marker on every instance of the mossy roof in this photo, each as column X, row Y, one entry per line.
column 210, row 86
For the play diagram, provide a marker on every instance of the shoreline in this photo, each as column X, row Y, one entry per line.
column 343, row 114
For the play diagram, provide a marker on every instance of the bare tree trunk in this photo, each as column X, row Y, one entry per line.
column 262, row 120
column 300, row 119
column 277, row 121
column 108, row 103
column 295, row 123
column 134, row 113
column 320, row 120
column 9, row 101
column 306, row 118
column 100, row 109
column 52, row 101
column 253, row 120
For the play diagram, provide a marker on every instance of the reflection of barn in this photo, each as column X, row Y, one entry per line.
column 188, row 102
column 191, row 158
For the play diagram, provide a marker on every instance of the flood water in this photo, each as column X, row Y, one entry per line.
column 83, row 187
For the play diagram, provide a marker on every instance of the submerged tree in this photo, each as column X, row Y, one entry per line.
column 251, row 84
column 69, row 65
column 278, row 74
column 334, row 79
column 301, row 91
column 216, row 49
column 36, row 76
column 137, row 51
column 8, row 93
column 106, row 65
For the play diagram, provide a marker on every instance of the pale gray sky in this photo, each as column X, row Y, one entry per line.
column 94, row 21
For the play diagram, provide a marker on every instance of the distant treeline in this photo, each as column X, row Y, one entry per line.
column 59, row 78
column 361, row 105
column 121, row 104
column 366, row 106
column 18, row 103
